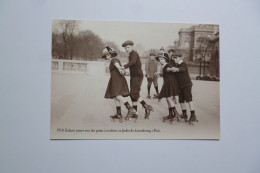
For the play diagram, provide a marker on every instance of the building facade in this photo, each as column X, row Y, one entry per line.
column 188, row 39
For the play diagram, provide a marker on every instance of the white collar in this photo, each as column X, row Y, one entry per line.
column 180, row 62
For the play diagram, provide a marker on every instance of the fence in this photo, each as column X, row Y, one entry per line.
column 76, row 66
column 97, row 67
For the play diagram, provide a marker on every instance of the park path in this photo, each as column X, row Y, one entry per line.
column 77, row 102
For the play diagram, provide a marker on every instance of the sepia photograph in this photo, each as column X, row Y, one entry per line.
column 134, row 80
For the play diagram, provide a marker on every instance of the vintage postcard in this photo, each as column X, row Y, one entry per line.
column 134, row 80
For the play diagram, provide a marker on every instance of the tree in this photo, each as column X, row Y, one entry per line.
column 67, row 28
column 202, row 50
column 88, row 45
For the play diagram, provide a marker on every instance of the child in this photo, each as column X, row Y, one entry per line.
column 136, row 78
column 171, row 60
column 185, row 84
column 172, row 64
column 117, row 87
column 151, row 70
column 169, row 88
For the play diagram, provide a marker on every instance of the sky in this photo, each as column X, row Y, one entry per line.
column 149, row 35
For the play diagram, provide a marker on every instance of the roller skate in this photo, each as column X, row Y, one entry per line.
column 193, row 119
column 169, row 118
column 184, row 116
column 134, row 117
column 149, row 96
column 176, row 115
column 148, row 109
column 114, row 117
column 146, row 116
column 130, row 114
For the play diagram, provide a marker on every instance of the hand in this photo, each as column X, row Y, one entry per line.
column 121, row 67
column 174, row 69
column 122, row 72
column 148, row 76
column 168, row 69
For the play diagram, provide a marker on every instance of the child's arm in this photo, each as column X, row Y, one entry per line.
column 146, row 69
column 132, row 61
column 120, row 68
column 182, row 68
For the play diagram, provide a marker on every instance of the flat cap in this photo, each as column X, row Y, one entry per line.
column 171, row 50
column 127, row 42
column 176, row 55
column 152, row 54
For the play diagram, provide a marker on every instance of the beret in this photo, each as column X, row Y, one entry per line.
column 127, row 42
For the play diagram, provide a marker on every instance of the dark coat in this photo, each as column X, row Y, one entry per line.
column 117, row 84
column 134, row 64
column 183, row 77
column 170, row 85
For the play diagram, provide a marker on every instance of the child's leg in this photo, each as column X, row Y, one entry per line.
column 148, row 108
column 170, row 107
column 117, row 102
column 174, row 110
column 170, row 101
column 183, row 106
column 134, row 104
column 191, row 106
column 149, row 84
column 127, row 105
column 174, row 100
column 155, row 83
column 182, row 102
column 118, row 106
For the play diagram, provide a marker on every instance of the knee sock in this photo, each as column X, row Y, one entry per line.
column 156, row 89
column 127, row 105
column 118, row 110
column 148, row 88
column 143, row 103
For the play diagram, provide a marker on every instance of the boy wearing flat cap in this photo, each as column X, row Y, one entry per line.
column 171, row 61
column 151, row 72
column 185, row 85
column 136, row 77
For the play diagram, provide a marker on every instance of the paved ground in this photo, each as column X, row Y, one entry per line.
column 79, row 111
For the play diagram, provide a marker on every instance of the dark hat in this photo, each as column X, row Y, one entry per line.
column 127, row 42
column 171, row 49
column 152, row 54
column 109, row 50
column 177, row 55
column 163, row 55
